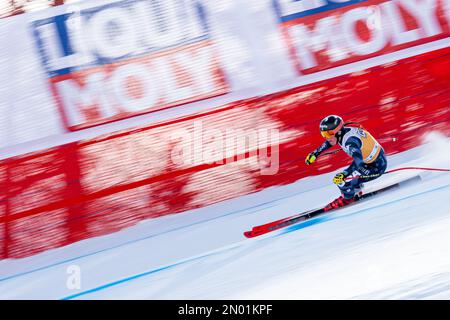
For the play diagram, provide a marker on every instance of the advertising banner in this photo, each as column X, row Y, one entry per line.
column 113, row 61
column 323, row 34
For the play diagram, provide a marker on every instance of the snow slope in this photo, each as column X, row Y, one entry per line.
column 392, row 246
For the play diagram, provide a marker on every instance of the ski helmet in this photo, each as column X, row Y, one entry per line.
column 331, row 125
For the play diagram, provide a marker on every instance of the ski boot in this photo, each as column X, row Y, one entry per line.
column 338, row 203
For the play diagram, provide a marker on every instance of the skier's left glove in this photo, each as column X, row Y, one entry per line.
column 340, row 178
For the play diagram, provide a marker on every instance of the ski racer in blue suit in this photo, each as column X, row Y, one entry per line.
column 369, row 160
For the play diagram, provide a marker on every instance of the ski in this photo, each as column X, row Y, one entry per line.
column 282, row 223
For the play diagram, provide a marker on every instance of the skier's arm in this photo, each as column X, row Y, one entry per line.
column 313, row 155
column 324, row 146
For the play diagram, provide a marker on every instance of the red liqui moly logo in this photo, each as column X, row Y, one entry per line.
column 127, row 58
column 323, row 34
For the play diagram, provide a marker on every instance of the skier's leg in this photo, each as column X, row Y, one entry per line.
column 374, row 170
column 350, row 188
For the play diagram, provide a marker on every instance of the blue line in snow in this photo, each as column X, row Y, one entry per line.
column 272, row 202
column 117, row 282
column 140, row 275
column 289, row 229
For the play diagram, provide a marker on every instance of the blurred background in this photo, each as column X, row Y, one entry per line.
column 92, row 91
column 15, row 7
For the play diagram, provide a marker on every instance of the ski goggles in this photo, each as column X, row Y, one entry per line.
column 328, row 134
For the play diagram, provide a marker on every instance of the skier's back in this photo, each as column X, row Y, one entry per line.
column 368, row 156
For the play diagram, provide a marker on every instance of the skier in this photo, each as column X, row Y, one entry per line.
column 368, row 157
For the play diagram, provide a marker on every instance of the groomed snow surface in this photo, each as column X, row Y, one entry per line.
column 393, row 246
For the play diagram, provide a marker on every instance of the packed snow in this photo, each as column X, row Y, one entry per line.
column 391, row 246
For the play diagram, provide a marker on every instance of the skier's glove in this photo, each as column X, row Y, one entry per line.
column 311, row 158
column 339, row 178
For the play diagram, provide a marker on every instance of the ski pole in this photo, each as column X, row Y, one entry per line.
column 299, row 159
column 331, row 152
column 395, row 170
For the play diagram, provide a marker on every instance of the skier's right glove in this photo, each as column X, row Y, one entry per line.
column 311, row 158
column 340, row 178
